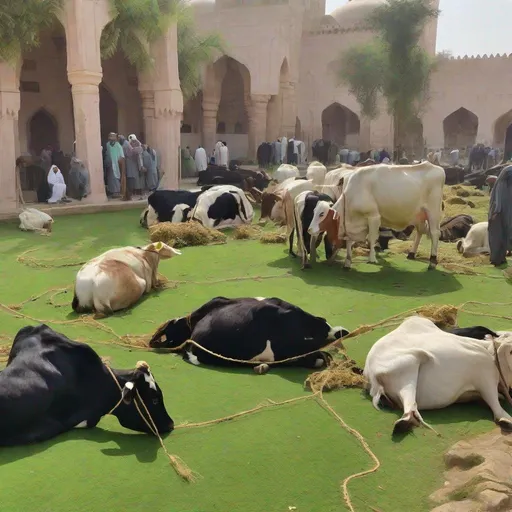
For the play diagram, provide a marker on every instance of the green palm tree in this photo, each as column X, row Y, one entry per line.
column 136, row 24
column 21, row 22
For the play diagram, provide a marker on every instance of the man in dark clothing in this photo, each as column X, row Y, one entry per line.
column 500, row 217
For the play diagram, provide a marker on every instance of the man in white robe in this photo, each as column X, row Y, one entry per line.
column 216, row 152
column 223, row 155
column 58, row 186
column 284, row 148
column 200, row 159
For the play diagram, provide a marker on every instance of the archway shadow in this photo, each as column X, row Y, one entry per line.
column 143, row 446
column 385, row 280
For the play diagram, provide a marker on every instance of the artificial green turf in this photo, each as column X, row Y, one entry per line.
column 294, row 456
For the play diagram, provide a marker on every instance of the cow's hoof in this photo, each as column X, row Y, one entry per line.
column 432, row 266
column 505, row 424
column 292, row 254
column 306, row 266
column 402, row 426
column 411, row 256
column 346, row 268
column 261, row 369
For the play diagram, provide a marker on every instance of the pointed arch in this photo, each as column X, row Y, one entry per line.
column 341, row 125
column 43, row 131
column 460, row 128
column 108, row 112
column 503, row 132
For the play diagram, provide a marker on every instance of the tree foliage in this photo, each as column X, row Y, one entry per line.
column 394, row 64
column 136, row 24
column 21, row 22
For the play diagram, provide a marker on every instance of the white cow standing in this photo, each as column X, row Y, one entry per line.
column 419, row 367
column 476, row 241
column 316, row 173
column 285, row 171
column 394, row 196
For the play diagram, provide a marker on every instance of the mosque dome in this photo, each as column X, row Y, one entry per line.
column 355, row 13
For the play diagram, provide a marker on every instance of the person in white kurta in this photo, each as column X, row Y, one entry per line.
column 56, row 179
column 216, row 152
column 223, row 155
column 200, row 159
column 284, row 148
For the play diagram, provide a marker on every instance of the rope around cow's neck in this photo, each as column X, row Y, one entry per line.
column 179, row 466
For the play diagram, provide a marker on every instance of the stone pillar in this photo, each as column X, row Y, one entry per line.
column 210, row 109
column 166, row 133
column 257, row 114
column 289, row 109
column 9, row 109
column 274, row 117
column 148, row 114
column 86, row 109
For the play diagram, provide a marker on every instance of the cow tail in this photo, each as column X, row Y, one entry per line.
column 75, row 304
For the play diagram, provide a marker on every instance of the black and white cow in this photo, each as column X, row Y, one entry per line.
column 476, row 332
column 258, row 330
column 223, row 206
column 169, row 206
column 52, row 384
column 303, row 211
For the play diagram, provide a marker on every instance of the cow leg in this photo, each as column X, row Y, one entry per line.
column 435, row 233
column 373, row 236
column 348, row 259
column 290, row 242
column 415, row 245
column 312, row 249
column 490, row 396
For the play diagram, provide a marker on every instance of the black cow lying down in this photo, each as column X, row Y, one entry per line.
column 52, row 384
column 258, row 330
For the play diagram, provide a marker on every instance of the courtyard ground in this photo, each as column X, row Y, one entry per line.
column 283, row 457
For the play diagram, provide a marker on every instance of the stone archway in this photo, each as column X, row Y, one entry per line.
column 108, row 113
column 234, row 91
column 460, row 129
column 44, row 88
column 120, row 81
column 277, row 110
column 43, row 131
column 341, row 125
column 503, row 133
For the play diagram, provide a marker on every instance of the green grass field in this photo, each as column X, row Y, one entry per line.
column 290, row 456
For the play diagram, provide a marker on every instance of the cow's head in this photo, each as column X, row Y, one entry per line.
column 164, row 251
column 325, row 220
column 181, row 213
column 268, row 201
column 131, row 413
column 171, row 334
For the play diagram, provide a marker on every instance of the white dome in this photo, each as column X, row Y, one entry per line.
column 355, row 13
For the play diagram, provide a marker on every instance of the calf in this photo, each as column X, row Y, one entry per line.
column 52, row 385
column 305, row 206
column 223, row 206
column 419, row 367
column 476, row 241
column 118, row 278
column 257, row 330
column 35, row 220
column 169, row 206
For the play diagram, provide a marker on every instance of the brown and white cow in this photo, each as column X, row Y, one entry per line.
column 394, row 196
column 118, row 278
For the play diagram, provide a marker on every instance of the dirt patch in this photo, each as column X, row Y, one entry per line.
column 478, row 476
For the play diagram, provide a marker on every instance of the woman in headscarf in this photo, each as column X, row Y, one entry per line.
column 57, row 185
column 500, row 217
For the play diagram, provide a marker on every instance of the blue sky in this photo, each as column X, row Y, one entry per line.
column 469, row 26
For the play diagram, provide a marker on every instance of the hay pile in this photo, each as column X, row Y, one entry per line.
column 339, row 374
column 246, row 232
column 442, row 316
column 185, row 234
column 276, row 237
column 456, row 202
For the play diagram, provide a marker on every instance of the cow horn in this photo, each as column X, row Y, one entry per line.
column 142, row 364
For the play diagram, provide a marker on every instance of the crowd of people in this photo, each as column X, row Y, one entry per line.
column 130, row 167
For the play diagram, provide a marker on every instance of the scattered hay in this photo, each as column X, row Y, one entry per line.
column 442, row 316
column 246, row 232
column 185, row 234
column 456, row 200
column 338, row 375
column 462, row 192
column 273, row 238
column 471, row 204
